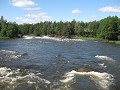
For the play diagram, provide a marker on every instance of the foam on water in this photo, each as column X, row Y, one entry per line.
column 28, row 37
column 10, row 54
column 104, row 80
column 104, row 58
column 13, row 78
column 16, row 56
column 58, row 39
column 6, row 51
column 102, row 65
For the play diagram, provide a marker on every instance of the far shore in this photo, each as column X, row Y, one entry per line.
column 73, row 38
column 52, row 38
column 97, row 39
column 4, row 37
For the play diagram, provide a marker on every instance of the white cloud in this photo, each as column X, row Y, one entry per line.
column 110, row 9
column 29, row 5
column 23, row 3
column 33, row 18
column 40, row 16
column 24, row 20
column 76, row 11
column 32, row 9
column 37, row 15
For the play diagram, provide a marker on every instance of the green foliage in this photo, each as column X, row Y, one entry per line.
column 107, row 28
column 79, row 29
column 8, row 29
column 12, row 30
column 3, row 28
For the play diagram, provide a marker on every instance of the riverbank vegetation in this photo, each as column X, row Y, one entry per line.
column 105, row 29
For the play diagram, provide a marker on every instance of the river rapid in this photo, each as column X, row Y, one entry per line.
column 44, row 63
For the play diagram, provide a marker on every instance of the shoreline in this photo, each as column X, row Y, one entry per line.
column 97, row 39
column 86, row 38
column 51, row 38
column 73, row 38
column 4, row 38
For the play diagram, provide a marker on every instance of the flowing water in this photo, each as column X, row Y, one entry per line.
column 58, row 64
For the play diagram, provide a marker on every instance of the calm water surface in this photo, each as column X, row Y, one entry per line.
column 44, row 64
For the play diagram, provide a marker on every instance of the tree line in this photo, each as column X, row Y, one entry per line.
column 107, row 28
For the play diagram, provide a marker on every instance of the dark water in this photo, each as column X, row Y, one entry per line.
column 42, row 64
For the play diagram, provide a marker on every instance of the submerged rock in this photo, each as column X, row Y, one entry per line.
column 83, row 70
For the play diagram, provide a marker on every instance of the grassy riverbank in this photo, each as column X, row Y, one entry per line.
column 96, row 39
column 86, row 38
column 114, row 42
column 4, row 38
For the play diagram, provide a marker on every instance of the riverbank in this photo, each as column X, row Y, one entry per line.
column 52, row 38
column 96, row 39
column 75, row 38
column 4, row 38
column 114, row 42
column 86, row 38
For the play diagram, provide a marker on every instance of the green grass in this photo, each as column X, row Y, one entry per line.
column 85, row 38
column 4, row 37
column 96, row 39
column 114, row 42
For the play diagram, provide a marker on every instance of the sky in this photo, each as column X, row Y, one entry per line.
column 34, row 11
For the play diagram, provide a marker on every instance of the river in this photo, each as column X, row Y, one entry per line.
column 58, row 64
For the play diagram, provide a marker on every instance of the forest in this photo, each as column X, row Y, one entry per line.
column 107, row 28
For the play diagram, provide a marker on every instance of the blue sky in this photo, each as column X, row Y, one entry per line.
column 33, row 11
